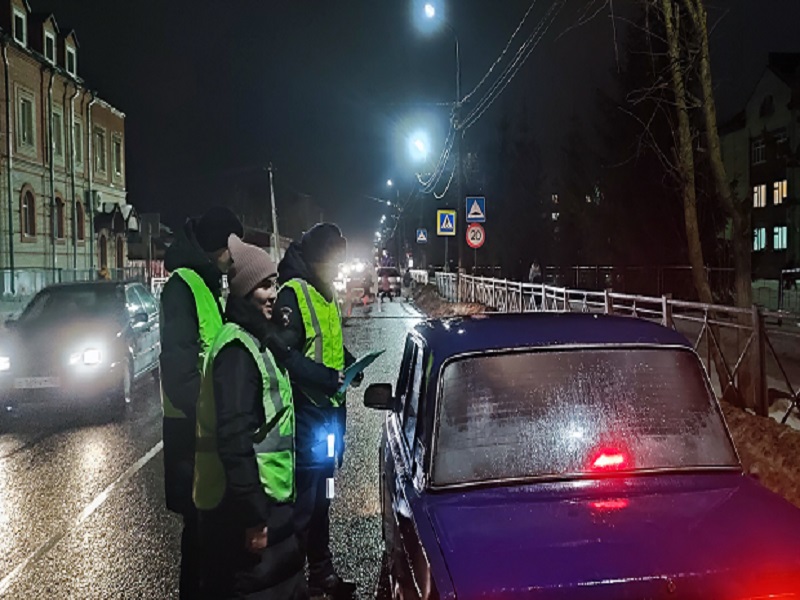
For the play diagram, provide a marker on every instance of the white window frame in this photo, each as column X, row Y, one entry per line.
column 759, row 196
column 96, row 151
column 78, row 141
column 759, row 239
column 780, row 191
column 18, row 12
column 71, row 50
column 779, row 235
column 58, row 135
column 758, row 151
column 118, row 168
column 29, row 145
column 49, row 35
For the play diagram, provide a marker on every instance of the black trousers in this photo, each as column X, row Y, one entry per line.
column 312, row 521
column 229, row 570
column 189, row 584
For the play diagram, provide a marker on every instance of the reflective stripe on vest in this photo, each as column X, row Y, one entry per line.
column 273, row 443
column 323, row 331
column 209, row 319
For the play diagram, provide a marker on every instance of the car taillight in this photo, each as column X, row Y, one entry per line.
column 610, row 459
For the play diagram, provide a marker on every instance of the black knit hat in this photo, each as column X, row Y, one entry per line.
column 323, row 243
column 215, row 226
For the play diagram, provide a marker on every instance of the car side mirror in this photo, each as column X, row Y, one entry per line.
column 140, row 318
column 379, row 396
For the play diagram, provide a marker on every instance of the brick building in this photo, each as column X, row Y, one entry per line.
column 63, row 203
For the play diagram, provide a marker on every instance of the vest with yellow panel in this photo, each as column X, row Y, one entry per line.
column 209, row 319
column 273, row 443
column 324, row 344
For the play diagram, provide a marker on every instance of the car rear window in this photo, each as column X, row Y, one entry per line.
column 576, row 412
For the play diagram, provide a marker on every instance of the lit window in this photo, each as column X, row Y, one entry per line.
column 779, row 238
column 78, row 142
column 58, row 135
column 20, row 26
column 26, row 127
column 759, row 196
column 759, row 239
column 117, row 156
column 72, row 61
column 779, row 191
column 99, row 150
column 757, row 154
column 554, row 216
column 50, row 47
column 554, row 198
column 27, row 214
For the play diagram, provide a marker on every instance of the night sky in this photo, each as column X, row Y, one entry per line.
column 322, row 89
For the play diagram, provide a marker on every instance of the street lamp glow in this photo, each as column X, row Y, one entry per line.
column 419, row 145
column 383, row 218
column 389, row 182
column 430, row 10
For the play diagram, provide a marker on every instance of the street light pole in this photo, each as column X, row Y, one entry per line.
column 459, row 150
column 275, row 237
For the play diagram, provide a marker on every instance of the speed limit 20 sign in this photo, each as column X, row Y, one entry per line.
column 476, row 236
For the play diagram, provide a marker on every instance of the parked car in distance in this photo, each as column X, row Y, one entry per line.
column 80, row 343
column 395, row 281
column 569, row 456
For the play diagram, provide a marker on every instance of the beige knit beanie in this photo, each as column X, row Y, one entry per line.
column 251, row 266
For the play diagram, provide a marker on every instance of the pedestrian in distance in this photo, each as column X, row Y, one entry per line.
column 244, row 475
column 306, row 274
column 191, row 316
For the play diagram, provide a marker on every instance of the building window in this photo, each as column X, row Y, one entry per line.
column 554, row 216
column 26, row 125
column 757, row 154
column 21, row 27
column 767, row 106
column 779, row 191
column 27, row 213
column 100, row 150
column 80, row 222
column 72, row 61
column 78, row 142
column 59, row 224
column 50, row 47
column 759, row 239
column 58, row 134
column 779, row 238
column 120, row 252
column 117, row 143
column 102, row 244
column 759, row 196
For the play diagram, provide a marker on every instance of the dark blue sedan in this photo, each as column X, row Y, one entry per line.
column 569, row 456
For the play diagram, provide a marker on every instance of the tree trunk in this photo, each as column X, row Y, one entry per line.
column 685, row 153
column 737, row 212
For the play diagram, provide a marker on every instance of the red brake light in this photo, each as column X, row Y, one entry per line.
column 609, row 460
column 609, row 505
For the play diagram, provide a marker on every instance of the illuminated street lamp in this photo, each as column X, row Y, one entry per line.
column 430, row 10
column 389, row 182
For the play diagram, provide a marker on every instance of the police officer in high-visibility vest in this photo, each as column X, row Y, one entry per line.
column 244, row 481
column 306, row 275
column 191, row 316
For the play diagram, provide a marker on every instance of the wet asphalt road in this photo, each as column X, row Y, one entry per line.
column 81, row 499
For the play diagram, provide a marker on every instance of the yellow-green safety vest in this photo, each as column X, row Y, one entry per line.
column 273, row 442
column 209, row 318
column 322, row 322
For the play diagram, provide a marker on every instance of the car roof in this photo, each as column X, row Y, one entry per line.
column 87, row 285
column 460, row 335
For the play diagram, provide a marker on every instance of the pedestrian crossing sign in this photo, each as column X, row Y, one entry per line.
column 476, row 209
column 422, row 236
column 445, row 222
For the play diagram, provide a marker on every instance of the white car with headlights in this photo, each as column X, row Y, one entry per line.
column 80, row 343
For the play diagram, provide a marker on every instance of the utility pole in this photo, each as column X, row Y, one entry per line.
column 276, row 251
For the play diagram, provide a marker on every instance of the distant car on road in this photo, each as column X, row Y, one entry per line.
column 80, row 343
column 569, row 456
column 394, row 278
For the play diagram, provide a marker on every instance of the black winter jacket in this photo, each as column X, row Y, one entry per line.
column 312, row 422
column 180, row 376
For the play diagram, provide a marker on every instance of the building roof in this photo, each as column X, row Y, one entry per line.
column 448, row 337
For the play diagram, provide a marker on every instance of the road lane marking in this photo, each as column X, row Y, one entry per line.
column 84, row 514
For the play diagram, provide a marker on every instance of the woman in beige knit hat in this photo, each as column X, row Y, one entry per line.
column 247, row 536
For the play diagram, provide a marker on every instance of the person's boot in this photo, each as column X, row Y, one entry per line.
column 332, row 587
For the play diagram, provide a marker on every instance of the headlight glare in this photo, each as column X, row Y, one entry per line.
column 5, row 363
column 91, row 356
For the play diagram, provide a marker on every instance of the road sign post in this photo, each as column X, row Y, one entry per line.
column 476, row 209
column 476, row 236
column 446, row 227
